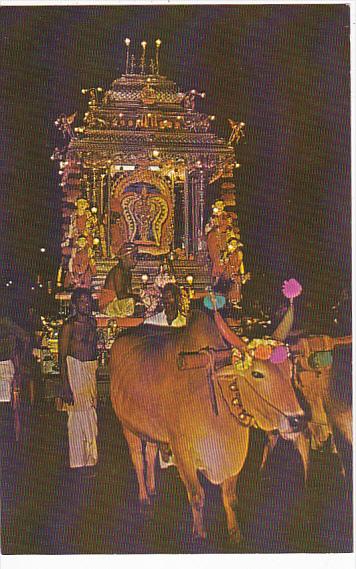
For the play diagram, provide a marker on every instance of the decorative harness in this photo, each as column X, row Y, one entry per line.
column 263, row 349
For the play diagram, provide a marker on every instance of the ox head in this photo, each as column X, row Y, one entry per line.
column 258, row 383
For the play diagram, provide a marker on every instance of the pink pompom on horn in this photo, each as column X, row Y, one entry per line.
column 279, row 355
column 291, row 288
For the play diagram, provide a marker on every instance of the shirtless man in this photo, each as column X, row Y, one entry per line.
column 116, row 298
column 78, row 364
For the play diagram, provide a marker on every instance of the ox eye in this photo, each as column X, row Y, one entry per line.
column 257, row 375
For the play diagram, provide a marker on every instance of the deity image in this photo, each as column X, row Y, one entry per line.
column 221, row 227
column 145, row 214
column 83, row 222
column 81, row 265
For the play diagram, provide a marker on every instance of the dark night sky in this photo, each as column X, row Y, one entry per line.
column 284, row 70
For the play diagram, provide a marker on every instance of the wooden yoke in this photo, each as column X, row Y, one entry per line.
column 210, row 360
column 306, row 346
column 200, row 359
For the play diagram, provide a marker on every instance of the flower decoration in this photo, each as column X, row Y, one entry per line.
column 151, row 298
column 263, row 352
column 259, row 349
column 279, row 355
column 291, row 289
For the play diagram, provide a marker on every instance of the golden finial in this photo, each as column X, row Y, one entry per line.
column 143, row 44
column 158, row 45
column 132, row 64
column 127, row 43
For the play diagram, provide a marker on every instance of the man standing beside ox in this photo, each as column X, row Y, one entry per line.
column 78, row 364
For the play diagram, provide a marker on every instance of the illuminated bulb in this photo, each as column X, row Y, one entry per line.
column 212, row 117
column 84, row 91
column 60, row 172
column 155, row 153
column 144, row 278
column 179, row 117
column 143, row 43
column 193, row 91
column 202, row 95
column 96, row 241
column 41, row 285
column 158, row 42
column 215, row 210
column 99, row 89
column 10, row 282
column 127, row 41
column 242, row 124
column 190, row 280
column 120, row 115
column 94, row 209
column 237, row 165
column 43, row 250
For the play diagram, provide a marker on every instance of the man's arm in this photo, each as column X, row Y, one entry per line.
column 119, row 284
column 63, row 351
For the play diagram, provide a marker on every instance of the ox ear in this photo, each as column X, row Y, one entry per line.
column 285, row 326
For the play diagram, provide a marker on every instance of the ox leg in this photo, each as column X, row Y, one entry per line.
column 228, row 488
column 196, row 495
column 151, row 454
column 135, row 448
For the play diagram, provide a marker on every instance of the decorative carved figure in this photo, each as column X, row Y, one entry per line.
column 145, row 215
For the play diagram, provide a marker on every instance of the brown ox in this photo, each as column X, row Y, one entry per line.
column 156, row 401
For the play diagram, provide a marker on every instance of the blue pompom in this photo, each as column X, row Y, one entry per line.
column 220, row 302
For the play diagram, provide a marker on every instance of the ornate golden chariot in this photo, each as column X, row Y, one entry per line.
column 147, row 163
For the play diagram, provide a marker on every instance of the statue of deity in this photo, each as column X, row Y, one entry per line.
column 83, row 222
column 221, row 227
column 81, row 265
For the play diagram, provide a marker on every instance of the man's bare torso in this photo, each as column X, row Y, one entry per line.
column 83, row 338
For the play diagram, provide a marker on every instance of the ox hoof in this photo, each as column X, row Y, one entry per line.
column 199, row 535
column 235, row 535
column 145, row 506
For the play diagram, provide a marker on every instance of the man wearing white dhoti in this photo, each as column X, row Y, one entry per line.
column 78, row 364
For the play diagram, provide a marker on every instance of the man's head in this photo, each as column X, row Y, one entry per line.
column 128, row 254
column 82, row 301
column 171, row 301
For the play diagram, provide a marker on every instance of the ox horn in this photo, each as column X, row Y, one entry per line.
column 227, row 333
column 285, row 326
